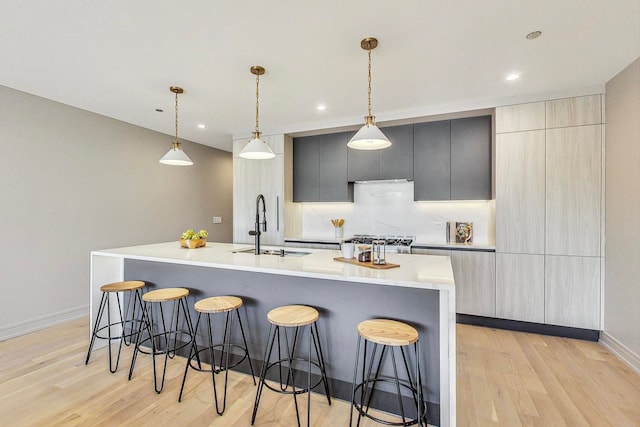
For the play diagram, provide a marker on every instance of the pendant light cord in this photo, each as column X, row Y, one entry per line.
column 176, row 141
column 257, row 101
column 369, row 89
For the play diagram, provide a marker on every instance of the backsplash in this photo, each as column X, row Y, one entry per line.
column 388, row 208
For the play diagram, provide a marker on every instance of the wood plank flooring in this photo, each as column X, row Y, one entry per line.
column 504, row 379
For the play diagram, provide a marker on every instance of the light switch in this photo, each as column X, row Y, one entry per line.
column 217, row 220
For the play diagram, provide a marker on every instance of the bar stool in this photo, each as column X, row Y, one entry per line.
column 160, row 340
column 125, row 318
column 292, row 316
column 394, row 335
column 208, row 306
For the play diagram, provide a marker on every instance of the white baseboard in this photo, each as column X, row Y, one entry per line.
column 621, row 351
column 42, row 322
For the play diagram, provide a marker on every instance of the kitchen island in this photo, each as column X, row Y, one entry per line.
column 421, row 292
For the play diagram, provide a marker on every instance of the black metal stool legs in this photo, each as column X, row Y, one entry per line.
column 288, row 385
column 123, row 320
column 224, row 364
column 365, row 388
column 164, row 341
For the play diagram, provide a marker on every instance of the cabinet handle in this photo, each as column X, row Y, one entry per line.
column 277, row 213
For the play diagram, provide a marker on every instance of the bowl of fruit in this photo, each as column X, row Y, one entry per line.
column 190, row 239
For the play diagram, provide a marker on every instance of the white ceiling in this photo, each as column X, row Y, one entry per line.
column 119, row 57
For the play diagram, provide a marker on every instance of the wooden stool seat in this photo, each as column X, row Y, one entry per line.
column 293, row 315
column 221, row 304
column 131, row 285
column 166, row 294
column 387, row 332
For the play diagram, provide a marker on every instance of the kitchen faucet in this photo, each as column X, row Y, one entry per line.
column 256, row 231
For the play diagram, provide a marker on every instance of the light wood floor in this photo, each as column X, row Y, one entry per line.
column 504, row 379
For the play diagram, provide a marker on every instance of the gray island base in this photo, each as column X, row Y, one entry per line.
column 422, row 295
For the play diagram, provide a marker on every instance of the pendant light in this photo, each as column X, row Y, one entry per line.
column 175, row 156
column 369, row 137
column 256, row 148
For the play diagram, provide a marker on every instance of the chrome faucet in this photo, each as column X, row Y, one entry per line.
column 256, row 231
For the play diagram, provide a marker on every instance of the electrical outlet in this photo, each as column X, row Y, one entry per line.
column 217, row 220
column 438, row 225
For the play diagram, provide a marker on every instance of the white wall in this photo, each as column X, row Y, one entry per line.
column 388, row 208
column 72, row 181
column 622, row 223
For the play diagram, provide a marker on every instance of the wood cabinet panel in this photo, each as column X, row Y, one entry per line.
column 579, row 111
column 475, row 277
column 521, row 117
column 520, row 285
column 520, row 192
column 572, row 295
column 573, row 189
column 254, row 177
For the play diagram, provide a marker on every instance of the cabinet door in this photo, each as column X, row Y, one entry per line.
column 475, row 277
column 520, row 287
column 396, row 162
column 572, row 296
column 431, row 161
column 333, row 184
column 363, row 165
column 515, row 118
column 471, row 158
column 306, row 164
column 520, row 192
column 573, row 186
column 578, row 111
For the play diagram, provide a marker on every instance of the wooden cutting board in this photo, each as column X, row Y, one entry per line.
column 354, row 261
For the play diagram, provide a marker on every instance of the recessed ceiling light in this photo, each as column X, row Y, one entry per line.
column 513, row 76
column 202, row 126
column 159, row 110
column 534, row 35
column 321, row 107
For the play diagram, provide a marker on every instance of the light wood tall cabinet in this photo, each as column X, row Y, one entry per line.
column 549, row 212
column 266, row 177
column 520, row 192
column 573, row 182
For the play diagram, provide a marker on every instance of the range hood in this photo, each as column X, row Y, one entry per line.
column 382, row 181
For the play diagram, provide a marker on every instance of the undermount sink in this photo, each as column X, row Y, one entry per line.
column 276, row 252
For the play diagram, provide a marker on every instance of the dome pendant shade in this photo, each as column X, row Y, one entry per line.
column 369, row 137
column 257, row 149
column 176, row 157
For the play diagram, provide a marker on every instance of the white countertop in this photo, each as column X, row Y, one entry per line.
column 416, row 271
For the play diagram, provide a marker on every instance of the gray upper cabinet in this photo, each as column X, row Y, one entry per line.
column 306, row 169
column 432, row 161
column 395, row 162
column 320, row 169
column 471, row 158
column 452, row 159
column 333, row 169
